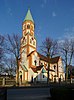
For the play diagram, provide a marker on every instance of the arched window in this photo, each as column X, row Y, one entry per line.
column 35, row 62
column 54, row 67
column 43, row 76
column 28, row 26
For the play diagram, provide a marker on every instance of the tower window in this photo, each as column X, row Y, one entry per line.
column 35, row 62
column 28, row 26
column 54, row 67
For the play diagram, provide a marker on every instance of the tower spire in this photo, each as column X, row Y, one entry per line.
column 29, row 16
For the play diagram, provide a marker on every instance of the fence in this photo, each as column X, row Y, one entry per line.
column 7, row 82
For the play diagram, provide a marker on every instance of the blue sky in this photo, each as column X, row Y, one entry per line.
column 53, row 18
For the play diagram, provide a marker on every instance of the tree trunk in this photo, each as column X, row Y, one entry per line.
column 17, row 72
column 48, row 70
column 66, row 73
column 66, row 67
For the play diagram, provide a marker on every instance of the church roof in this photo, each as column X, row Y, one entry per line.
column 54, row 60
column 42, row 57
column 34, row 70
column 37, row 68
column 29, row 16
column 50, row 70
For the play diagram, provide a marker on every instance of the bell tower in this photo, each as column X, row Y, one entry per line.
column 28, row 40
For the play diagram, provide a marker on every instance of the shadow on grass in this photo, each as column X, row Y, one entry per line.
column 3, row 94
column 62, row 93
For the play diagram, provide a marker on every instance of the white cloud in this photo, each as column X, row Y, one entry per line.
column 42, row 5
column 39, row 31
column 9, row 11
column 54, row 14
column 44, row 2
column 69, row 33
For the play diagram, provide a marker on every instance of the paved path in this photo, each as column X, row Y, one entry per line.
column 28, row 93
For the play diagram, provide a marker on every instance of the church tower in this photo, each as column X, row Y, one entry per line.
column 28, row 45
column 28, row 41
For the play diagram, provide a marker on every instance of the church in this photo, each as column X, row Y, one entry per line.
column 33, row 66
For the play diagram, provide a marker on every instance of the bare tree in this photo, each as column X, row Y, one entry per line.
column 49, row 48
column 13, row 47
column 71, row 51
column 10, row 63
column 53, row 49
column 1, row 51
column 48, row 45
column 66, row 48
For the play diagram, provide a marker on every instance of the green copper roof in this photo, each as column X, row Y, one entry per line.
column 29, row 16
column 43, row 70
